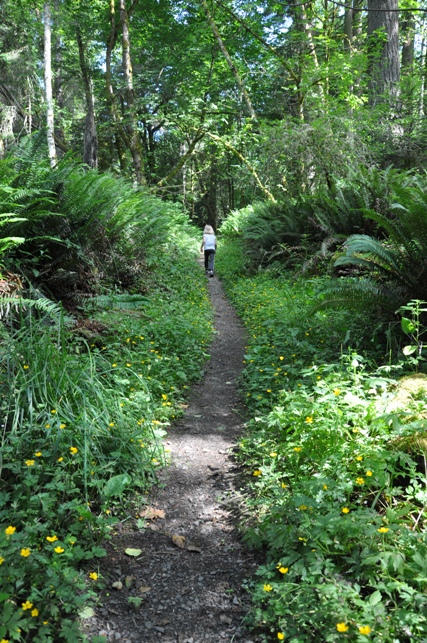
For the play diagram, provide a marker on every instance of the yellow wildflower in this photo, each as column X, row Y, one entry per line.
column 62, row 426
column 10, row 530
column 25, row 552
column 365, row 629
column 345, row 510
column 360, row 481
column 29, row 463
column 93, row 575
column 27, row 605
column 257, row 472
column 359, row 458
column 267, row 587
column 369, row 473
column 337, row 391
column 59, row 550
column 280, row 636
column 308, row 420
column 1, row 560
column 73, row 450
column 297, row 449
column 283, row 570
column 51, row 539
column 38, row 454
column 383, row 530
column 342, row 627
column 35, row 612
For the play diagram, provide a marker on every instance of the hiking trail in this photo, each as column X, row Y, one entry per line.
column 190, row 572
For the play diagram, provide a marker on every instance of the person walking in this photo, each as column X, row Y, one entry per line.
column 209, row 245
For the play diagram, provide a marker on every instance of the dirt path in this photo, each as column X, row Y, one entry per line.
column 191, row 593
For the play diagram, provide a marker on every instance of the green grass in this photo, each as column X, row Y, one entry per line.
column 336, row 494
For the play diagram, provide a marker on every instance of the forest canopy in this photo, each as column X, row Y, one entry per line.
column 217, row 104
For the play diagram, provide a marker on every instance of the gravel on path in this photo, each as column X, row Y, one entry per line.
column 186, row 585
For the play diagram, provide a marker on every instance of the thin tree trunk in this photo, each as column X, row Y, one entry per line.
column 111, row 99
column 408, row 47
column 134, row 141
column 230, row 62
column 348, row 26
column 90, row 150
column 50, row 121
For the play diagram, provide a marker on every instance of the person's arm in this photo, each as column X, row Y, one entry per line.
column 203, row 243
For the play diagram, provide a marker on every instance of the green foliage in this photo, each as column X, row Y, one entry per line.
column 333, row 451
column 85, row 404
column 396, row 268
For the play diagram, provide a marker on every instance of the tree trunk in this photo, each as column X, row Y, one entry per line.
column 230, row 62
column 50, row 121
column 348, row 26
column 383, row 49
column 111, row 99
column 133, row 137
column 408, row 47
column 90, row 150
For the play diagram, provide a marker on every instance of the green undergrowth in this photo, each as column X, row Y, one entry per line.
column 336, row 457
column 85, row 410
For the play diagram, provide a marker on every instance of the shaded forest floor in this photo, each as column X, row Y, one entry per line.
column 186, row 584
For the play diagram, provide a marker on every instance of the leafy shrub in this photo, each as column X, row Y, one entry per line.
column 86, row 404
column 337, row 491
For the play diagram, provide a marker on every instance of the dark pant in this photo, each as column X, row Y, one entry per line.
column 207, row 255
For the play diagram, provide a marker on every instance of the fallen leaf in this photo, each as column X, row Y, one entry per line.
column 150, row 513
column 179, row 541
column 225, row 619
column 87, row 612
column 133, row 552
column 163, row 621
column 129, row 581
column 191, row 547
column 144, row 589
column 117, row 584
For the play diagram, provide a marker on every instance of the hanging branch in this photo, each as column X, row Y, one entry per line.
column 182, row 160
column 252, row 170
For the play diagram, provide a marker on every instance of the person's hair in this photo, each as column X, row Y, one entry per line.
column 208, row 229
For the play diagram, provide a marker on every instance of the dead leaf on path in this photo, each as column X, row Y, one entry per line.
column 133, row 552
column 129, row 581
column 191, row 547
column 163, row 621
column 117, row 584
column 144, row 589
column 150, row 513
column 179, row 541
